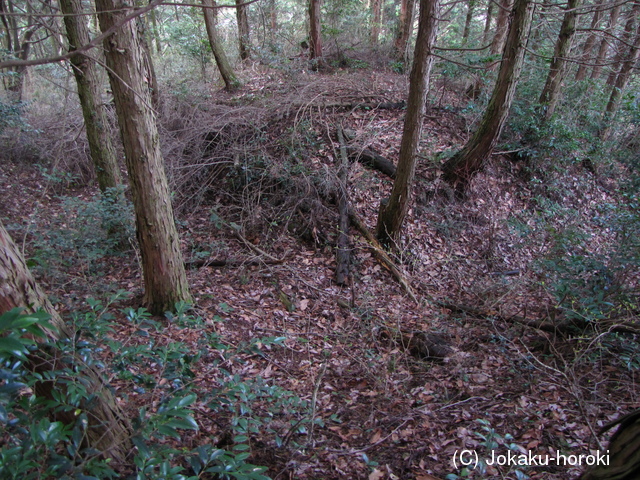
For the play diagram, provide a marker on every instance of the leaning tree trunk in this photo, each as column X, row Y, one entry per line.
column 590, row 43
column 103, row 153
column 108, row 430
column 243, row 29
column 623, row 43
column 622, row 79
column 231, row 82
column 164, row 275
column 603, row 50
column 315, row 34
column 394, row 209
column 459, row 169
column 551, row 91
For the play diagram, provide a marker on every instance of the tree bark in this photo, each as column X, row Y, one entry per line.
column 471, row 5
column 393, row 211
column 108, row 430
column 502, row 27
column 231, row 82
column 627, row 38
column 603, row 50
column 150, row 77
column 459, row 169
column 622, row 79
column 85, row 71
column 404, row 29
column 487, row 22
column 376, row 18
column 557, row 72
column 315, row 33
column 590, row 43
column 243, row 29
column 162, row 265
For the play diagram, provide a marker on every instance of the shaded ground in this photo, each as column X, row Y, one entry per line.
column 353, row 401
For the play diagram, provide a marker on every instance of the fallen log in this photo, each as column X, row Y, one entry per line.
column 343, row 254
column 373, row 160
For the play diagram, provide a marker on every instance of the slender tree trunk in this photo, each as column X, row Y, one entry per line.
column 627, row 39
column 18, row 80
column 487, row 22
column 162, row 265
column 156, row 30
column 459, row 169
column 405, row 29
column 622, row 79
column 590, row 43
column 315, row 32
column 502, row 27
column 394, row 209
column 273, row 20
column 108, row 431
column 603, row 50
column 231, row 82
column 471, row 5
column 376, row 14
column 243, row 29
column 85, row 71
column 6, row 27
column 557, row 72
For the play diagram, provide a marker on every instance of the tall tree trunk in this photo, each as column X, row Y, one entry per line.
column 557, row 72
column 376, row 17
column 85, row 71
column 459, row 169
column 108, row 431
column 243, row 29
column 315, row 32
column 603, row 50
column 590, row 43
column 231, row 82
column 162, row 265
column 627, row 39
column 502, row 27
column 394, row 209
column 622, row 79
column 405, row 28
column 273, row 20
column 487, row 22
column 471, row 5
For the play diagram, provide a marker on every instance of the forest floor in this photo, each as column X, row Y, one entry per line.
column 332, row 376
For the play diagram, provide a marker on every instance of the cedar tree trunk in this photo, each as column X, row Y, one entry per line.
column 471, row 5
column 394, row 209
column 487, row 22
column 85, row 71
column 226, row 72
column 590, row 43
column 405, row 28
column 502, row 27
column 315, row 33
column 551, row 91
column 243, row 29
column 376, row 13
column 108, row 431
column 604, row 44
column 622, row 79
column 162, row 265
column 459, row 169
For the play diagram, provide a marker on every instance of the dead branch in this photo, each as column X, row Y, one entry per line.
column 381, row 255
column 343, row 256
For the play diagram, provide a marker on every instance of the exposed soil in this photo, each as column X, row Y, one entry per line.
column 263, row 161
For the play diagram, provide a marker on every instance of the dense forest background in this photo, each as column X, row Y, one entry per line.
column 315, row 240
